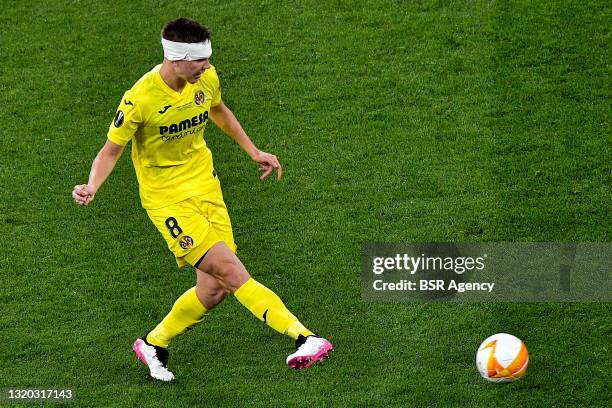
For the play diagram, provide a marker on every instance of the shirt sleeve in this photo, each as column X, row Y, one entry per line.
column 126, row 122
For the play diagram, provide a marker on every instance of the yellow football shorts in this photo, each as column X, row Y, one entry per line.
column 191, row 227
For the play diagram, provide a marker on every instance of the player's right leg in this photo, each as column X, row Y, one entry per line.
column 188, row 310
column 189, row 236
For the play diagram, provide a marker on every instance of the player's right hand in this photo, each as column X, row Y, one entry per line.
column 83, row 194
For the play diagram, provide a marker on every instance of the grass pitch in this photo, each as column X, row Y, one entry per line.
column 395, row 121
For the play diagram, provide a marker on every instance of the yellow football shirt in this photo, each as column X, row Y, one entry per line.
column 170, row 155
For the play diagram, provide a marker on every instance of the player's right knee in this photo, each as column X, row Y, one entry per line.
column 217, row 297
column 222, row 294
column 211, row 297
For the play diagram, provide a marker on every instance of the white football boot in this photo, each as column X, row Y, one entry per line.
column 156, row 358
column 309, row 350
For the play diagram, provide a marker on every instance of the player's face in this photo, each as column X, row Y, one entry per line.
column 191, row 71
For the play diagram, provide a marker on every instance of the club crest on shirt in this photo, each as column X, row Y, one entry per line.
column 200, row 97
column 119, row 119
column 186, row 242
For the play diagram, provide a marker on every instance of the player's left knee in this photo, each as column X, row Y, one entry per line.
column 233, row 274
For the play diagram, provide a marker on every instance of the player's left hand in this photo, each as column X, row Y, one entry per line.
column 267, row 164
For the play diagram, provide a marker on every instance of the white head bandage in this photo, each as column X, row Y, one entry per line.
column 176, row 51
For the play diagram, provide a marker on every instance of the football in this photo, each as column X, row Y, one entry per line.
column 502, row 358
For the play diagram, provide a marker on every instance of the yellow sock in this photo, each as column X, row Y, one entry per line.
column 186, row 312
column 268, row 307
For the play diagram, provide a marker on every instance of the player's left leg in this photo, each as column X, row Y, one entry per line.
column 224, row 265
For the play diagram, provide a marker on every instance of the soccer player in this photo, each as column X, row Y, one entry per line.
column 164, row 116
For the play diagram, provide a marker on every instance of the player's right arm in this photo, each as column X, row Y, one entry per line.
column 124, row 126
column 102, row 166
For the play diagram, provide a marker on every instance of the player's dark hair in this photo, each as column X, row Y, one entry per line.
column 185, row 30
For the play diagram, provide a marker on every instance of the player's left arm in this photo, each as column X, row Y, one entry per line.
column 224, row 118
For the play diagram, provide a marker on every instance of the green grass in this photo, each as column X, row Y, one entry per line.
column 395, row 121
